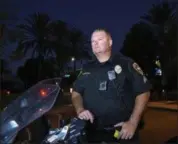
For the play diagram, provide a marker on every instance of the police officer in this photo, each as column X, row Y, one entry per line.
column 110, row 92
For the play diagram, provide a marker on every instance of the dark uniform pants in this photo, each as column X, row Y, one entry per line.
column 107, row 137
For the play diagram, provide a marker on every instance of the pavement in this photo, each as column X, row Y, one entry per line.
column 160, row 126
column 164, row 105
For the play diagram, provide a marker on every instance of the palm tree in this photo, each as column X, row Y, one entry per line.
column 59, row 40
column 162, row 21
column 139, row 44
column 78, row 45
column 35, row 32
column 67, row 43
column 35, row 37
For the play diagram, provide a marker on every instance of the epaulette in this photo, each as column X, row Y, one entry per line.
column 122, row 58
column 89, row 64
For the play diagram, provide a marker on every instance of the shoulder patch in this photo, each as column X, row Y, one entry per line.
column 137, row 68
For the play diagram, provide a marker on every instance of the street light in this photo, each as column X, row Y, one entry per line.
column 73, row 59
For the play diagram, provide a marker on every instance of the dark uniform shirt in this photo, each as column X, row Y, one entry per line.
column 109, row 89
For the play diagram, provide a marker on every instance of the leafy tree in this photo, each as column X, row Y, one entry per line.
column 58, row 37
column 78, row 45
column 140, row 45
column 28, row 73
column 154, row 35
column 35, row 32
column 161, row 19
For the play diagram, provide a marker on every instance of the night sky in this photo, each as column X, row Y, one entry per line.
column 116, row 15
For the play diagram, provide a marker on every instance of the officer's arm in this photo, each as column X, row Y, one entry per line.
column 141, row 87
column 77, row 102
column 140, row 105
column 78, row 88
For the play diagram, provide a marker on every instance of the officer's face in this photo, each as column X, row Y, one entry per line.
column 100, row 42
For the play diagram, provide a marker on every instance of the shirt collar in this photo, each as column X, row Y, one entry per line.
column 109, row 61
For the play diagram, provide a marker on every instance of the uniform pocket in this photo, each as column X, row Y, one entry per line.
column 119, row 81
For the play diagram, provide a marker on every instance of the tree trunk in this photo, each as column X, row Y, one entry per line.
column 2, row 26
column 74, row 63
column 41, row 59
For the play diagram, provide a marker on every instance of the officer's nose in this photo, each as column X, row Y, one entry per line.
column 95, row 43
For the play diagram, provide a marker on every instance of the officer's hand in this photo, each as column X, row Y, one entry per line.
column 128, row 129
column 86, row 115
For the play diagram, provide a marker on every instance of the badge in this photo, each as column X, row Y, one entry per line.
column 118, row 69
column 103, row 86
column 111, row 75
column 137, row 68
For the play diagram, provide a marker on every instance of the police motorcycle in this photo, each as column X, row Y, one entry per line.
column 30, row 106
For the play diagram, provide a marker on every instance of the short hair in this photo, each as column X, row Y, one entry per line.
column 104, row 30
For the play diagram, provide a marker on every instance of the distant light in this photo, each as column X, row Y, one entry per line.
column 71, row 90
column 158, row 72
column 157, row 62
column 8, row 92
column 67, row 75
column 72, row 59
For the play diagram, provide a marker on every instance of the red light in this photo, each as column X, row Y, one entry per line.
column 43, row 93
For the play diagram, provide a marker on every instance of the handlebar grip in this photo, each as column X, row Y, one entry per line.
column 76, row 127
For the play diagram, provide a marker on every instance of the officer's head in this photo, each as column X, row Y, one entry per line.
column 101, row 41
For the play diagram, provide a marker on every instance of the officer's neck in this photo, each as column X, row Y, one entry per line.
column 103, row 57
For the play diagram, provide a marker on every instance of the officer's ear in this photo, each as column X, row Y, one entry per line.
column 110, row 42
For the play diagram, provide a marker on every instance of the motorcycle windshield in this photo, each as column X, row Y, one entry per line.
column 28, row 107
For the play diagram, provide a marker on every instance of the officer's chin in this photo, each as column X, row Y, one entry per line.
column 98, row 53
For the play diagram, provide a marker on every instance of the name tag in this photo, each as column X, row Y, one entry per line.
column 111, row 75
